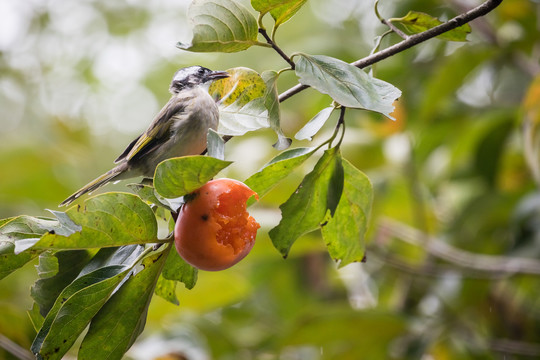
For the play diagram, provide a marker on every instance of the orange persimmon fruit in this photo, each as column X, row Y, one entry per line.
column 213, row 230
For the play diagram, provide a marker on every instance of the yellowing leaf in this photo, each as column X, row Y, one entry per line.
column 241, row 102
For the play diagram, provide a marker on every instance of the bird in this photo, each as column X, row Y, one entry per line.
column 179, row 129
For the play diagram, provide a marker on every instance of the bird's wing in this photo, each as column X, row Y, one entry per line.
column 156, row 132
column 127, row 150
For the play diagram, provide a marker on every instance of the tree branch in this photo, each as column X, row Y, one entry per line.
column 393, row 27
column 411, row 41
column 15, row 349
column 262, row 31
column 465, row 259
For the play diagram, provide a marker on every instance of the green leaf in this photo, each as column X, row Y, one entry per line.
column 314, row 125
column 215, row 145
column 45, row 291
column 9, row 261
column 220, row 25
column 19, row 233
column 107, row 220
column 149, row 194
column 74, row 309
column 145, row 192
column 416, row 22
column 307, row 207
column 180, row 176
column 120, row 321
column 344, row 233
column 123, row 255
column 346, row 84
column 237, row 120
column 166, row 289
column 35, row 317
column 271, row 102
column 281, row 10
column 241, row 102
column 179, row 270
column 48, row 265
column 277, row 169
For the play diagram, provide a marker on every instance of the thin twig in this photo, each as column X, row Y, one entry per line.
column 466, row 259
column 262, row 31
column 15, row 349
column 395, row 29
column 411, row 41
column 389, row 23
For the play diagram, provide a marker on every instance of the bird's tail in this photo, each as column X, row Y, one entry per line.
column 100, row 181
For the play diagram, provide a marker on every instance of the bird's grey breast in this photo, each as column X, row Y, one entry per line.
column 190, row 126
column 201, row 111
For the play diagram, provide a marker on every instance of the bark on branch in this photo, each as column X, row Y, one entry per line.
column 411, row 41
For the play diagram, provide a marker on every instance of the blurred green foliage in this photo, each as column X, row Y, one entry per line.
column 79, row 80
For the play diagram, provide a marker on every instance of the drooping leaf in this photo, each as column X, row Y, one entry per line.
column 241, row 102
column 344, row 233
column 180, row 176
column 271, row 102
column 215, row 145
column 317, row 196
column 19, row 233
column 177, row 269
column 106, row 220
column 74, row 309
column 416, row 22
column 166, row 289
column 45, row 291
column 314, row 125
column 277, row 169
column 120, row 321
column 346, row 84
column 220, row 25
column 123, row 255
column 281, row 10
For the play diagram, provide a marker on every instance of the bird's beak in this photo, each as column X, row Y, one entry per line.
column 214, row 75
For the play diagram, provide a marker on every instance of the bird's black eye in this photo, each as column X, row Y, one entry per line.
column 201, row 71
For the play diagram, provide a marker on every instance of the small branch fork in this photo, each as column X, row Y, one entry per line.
column 411, row 41
column 389, row 23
